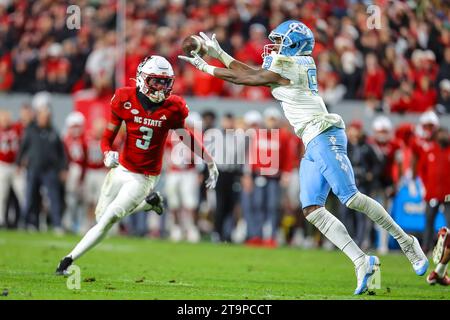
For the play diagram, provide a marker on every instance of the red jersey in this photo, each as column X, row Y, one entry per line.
column 94, row 154
column 146, row 130
column 75, row 149
column 270, row 153
column 436, row 173
column 9, row 143
column 420, row 147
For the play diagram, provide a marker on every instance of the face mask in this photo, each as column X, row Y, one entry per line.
column 157, row 96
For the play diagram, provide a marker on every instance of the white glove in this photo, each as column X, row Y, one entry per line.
column 111, row 159
column 199, row 63
column 213, row 176
column 215, row 51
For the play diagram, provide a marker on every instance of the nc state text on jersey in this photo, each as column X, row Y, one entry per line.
column 148, row 122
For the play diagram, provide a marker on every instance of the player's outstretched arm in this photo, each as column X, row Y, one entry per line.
column 215, row 51
column 249, row 77
column 196, row 146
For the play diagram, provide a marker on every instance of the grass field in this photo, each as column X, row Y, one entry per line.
column 123, row 268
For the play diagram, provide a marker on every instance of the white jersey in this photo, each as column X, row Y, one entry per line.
column 302, row 106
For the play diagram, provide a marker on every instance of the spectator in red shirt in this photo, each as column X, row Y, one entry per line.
column 436, row 179
column 421, row 145
column 6, row 74
column 270, row 162
column 374, row 78
column 424, row 96
column 255, row 44
column 401, row 100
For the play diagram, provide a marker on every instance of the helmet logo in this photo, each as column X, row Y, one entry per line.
column 300, row 28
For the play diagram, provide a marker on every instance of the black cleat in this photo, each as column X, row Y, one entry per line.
column 64, row 264
column 156, row 201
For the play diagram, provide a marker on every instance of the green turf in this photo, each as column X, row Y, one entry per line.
column 126, row 268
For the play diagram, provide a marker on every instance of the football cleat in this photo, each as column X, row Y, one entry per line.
column 64, row 264
column 364, row 273
column 415, row 255
column 434, row 278
column 439, row 249
column 155, row 202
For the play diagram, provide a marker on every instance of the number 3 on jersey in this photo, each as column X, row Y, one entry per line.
column 144, row 143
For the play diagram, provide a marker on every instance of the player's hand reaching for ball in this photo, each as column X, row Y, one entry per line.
column 213, row 175
column 214, row 49
column 111, row 159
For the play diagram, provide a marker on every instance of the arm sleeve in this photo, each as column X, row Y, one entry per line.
column 183, row 113
column 113, row 126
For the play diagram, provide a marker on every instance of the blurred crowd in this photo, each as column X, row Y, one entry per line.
column 401, row 65
column 52, row 180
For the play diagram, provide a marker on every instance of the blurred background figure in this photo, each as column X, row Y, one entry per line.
column 76, row 152
column 269, row 161
column 95, row 171
column 367, row 167
column 9, row 182
column 182, row 184
column 387, row 150
column 443, row 103
column 230, row 170
column 436, row 180
column 42, row 153
column 253, row 121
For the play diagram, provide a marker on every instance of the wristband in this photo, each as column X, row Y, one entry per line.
column 209, row 69
column 225, row 58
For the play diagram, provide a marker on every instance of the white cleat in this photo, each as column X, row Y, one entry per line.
column 416, row 256
column 364, row 272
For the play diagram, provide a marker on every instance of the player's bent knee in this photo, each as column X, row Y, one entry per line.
column 357, row 202
column 310, row 209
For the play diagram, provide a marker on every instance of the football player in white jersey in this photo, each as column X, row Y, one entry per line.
column 290, row 71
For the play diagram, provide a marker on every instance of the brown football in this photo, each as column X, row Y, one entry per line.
column 194, row 43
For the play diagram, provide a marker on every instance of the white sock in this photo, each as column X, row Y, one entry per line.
column 441, row 269
column 96, row 234
column 375, row 211
column 336, row 232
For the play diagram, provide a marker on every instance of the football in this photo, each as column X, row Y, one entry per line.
column 194, row 43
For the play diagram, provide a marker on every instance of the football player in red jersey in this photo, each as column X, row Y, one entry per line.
column 76, row 151
column 9, row 146
column 149, row 111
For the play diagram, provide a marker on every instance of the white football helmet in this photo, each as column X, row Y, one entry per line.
column 154, row 78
